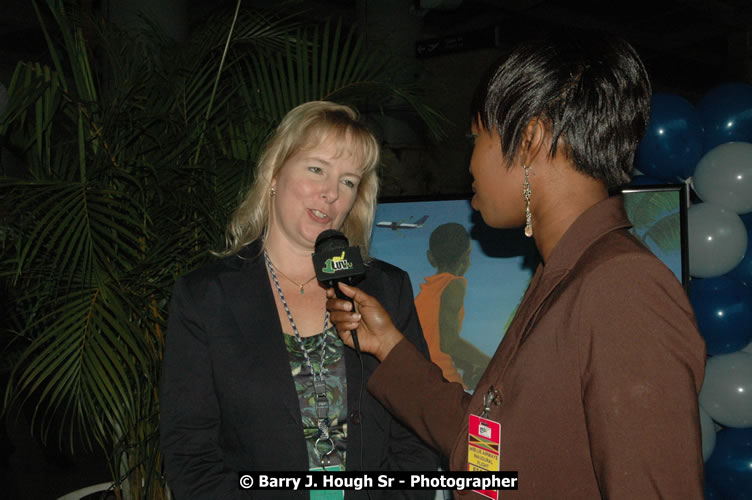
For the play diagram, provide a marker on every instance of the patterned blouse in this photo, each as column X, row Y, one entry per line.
column 336, row 391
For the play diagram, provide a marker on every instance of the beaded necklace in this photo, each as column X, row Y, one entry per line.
column 324, row 445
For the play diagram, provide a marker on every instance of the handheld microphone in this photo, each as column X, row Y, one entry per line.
column 335, row 260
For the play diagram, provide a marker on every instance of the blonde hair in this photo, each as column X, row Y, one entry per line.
column 308, row 126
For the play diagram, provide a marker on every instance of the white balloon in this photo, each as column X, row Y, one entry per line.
column 724, row 176
column 707, row 429
column 717, row 240
column 726, row 394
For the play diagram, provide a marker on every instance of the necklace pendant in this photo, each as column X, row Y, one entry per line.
column 301, row 290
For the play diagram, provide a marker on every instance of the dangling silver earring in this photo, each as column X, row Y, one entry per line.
column 526, row 195
column 273, row 191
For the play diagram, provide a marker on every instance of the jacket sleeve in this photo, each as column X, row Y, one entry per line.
column 642, row 364
column 413, row 389
column 189, row 420
column 405, row 450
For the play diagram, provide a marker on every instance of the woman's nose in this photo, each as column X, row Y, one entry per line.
column 330, row 192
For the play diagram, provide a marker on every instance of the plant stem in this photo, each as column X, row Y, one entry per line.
column 216, row 81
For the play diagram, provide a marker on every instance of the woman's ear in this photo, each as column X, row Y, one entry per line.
column 533, row 140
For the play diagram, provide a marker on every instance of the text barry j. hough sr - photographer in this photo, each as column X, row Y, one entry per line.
column 351, row 480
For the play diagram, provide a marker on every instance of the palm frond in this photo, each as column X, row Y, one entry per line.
column 131, row 168
column 76, row 228
column 666, row 233
column 86, row 355
column 328, row 63
column 644, row 208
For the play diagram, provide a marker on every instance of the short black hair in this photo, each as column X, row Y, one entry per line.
column 447, row 243
column 590, row 90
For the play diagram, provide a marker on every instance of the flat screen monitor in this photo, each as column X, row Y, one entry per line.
column 502, row 262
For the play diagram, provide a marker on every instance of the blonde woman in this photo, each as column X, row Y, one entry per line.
column 250, row 350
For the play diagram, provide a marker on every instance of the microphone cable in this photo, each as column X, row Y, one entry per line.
column 360, row 415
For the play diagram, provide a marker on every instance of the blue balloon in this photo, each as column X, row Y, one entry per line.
column 729, row 468
column 723, row 307
column 726, row 114
column 646, row 180
column 672, row 144
column 711, row 492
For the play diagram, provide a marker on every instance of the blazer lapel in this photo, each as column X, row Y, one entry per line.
column 252, row 303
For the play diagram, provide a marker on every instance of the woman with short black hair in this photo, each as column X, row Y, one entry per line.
column 593, row 389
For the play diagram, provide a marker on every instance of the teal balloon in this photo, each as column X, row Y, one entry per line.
column 724, row 176
column 726, row 114
column 743, row 270
column 672, row 144
column 707, row 433
column 729, row 468
column 726, row 393
column 723, row 308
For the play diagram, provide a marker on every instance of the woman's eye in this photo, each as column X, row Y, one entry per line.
column 315, row 170
column 348, row 183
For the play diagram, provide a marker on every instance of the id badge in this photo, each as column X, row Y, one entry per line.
column 327, row 494
column 483, row 448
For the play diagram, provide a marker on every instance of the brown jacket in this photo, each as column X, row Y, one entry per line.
column 598, row 376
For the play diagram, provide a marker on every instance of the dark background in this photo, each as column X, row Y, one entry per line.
column 689, row 46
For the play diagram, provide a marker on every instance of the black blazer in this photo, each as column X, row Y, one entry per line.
column 228, row 400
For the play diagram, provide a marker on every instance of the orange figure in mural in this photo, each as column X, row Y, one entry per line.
column 441, row 309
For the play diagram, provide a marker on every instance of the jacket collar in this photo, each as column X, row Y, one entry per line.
column 602, row 218
column 248, row 256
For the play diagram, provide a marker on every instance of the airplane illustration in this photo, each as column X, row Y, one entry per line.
column 403, row 225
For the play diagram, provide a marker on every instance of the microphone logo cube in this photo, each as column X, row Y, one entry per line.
column 337, row 264
column 340, row 263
